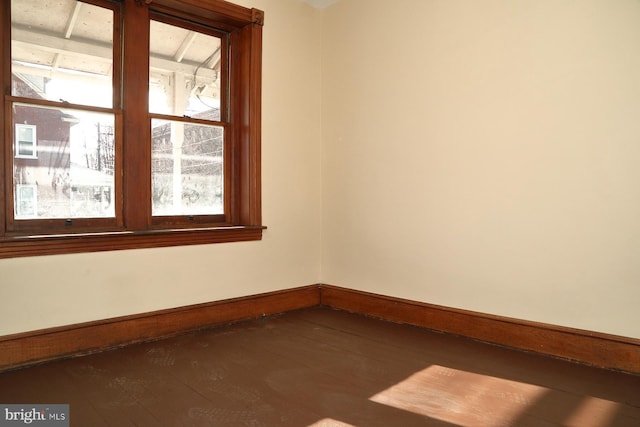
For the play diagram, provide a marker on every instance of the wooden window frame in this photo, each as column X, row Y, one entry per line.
column 162, row 221
column 135, row 228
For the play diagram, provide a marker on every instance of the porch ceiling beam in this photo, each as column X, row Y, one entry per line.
column 98, row 51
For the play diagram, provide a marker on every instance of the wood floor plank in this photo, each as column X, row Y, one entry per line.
column 493, row 360
column 322, row 367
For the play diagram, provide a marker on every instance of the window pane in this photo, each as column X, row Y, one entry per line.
column 187, row 168
column 62, row 50
column 184, row 72
column 72, row 175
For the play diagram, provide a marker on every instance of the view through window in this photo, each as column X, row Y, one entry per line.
column 129, row 124
column 71, row 174
column 185, row 78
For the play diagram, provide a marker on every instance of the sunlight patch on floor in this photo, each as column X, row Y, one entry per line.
column 330, row 422
column 593, row 412
column 470, row 399
column 460, row 397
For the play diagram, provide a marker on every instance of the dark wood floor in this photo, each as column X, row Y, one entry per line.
column 321, row 367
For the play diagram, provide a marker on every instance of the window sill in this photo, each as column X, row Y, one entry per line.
column 24, row 246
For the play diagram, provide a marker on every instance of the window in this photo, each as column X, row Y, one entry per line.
column 25, row 141
column 128, row 124
column 26, row 201
column 188, row 119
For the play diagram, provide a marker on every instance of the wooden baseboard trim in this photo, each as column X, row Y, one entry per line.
column 585, row 347
column 25, row 349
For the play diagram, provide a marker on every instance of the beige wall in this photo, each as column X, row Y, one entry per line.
column 475, row 154
column 486, row 155
column 57, row 290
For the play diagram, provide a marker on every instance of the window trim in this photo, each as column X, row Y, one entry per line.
column 137, row 229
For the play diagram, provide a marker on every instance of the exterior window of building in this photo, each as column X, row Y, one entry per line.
column 26, row 141
column 131, row 123
column 26, row 201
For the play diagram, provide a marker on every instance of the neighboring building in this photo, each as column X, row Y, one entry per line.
column 45, row 185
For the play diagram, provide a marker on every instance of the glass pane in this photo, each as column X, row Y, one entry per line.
column 62, row 50
column 184, row 75
column 71, row 174
column 187, row 168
